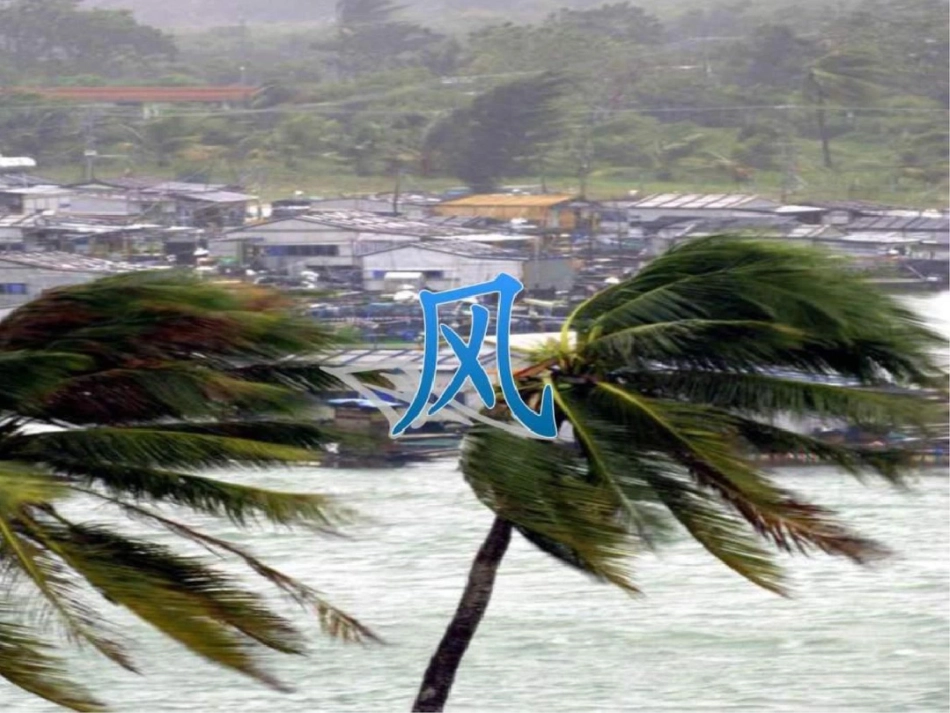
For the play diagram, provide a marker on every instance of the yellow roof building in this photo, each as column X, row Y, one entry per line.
column 553, row 211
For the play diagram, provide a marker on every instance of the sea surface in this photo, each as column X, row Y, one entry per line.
column 699, row 639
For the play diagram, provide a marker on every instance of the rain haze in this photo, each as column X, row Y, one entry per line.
column 381, row 355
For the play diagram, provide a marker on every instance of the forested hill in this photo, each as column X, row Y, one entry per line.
column 801, row 99
column 180, row 14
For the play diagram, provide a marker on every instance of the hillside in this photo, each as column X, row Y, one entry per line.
column 189, row 14
column 794, row 100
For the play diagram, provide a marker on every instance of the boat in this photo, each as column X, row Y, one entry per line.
column 365, row 441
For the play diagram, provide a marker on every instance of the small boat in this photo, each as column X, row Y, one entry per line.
column 371, row 446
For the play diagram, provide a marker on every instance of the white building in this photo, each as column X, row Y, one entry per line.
column 694, row 205
column 448, row 264
column 25, row 275
column 24, row 200
column 329, row 240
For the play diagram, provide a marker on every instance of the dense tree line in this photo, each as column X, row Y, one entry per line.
column 725, row 92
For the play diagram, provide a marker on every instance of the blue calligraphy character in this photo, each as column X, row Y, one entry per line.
column 541, row 424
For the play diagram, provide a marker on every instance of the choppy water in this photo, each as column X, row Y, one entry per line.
column 702, row 639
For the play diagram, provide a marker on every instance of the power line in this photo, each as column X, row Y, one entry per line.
column 331, row 108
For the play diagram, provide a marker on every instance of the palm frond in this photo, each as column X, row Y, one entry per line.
column 635, row 498
column 302, row 374
column 242, row 504
column 153, row 376
column 179, row 596
column 699, row 443
column 767, row 395
column 149, row 448
column 162, row 316
column 298, row 434
column 149, row 393
column 723, row 534
column 26, row 375
column 735, row 343
column 540, row 488
column 21, row 491
column 846, row 326
column 646, row 481
column 764, row 438
column 27, row 662
column 333, row 621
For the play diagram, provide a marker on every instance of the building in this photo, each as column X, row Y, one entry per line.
column 925, row 227
column 327, row 241
column 843, row 213
column 182, row 203
column 447, row 264
column 403, row 367
column 693, row 205
column 149, row 98
column 23, row 200
column 15, row 229
column 381, row 205
column 211, row 209
column 25, row 275
column 548, row 211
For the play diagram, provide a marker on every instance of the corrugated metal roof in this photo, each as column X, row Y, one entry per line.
column 184, row 187
column 216, row 196
column 405, row 358
column 902, row 224
column 17, row 162
column 19, row 221
column 68, row 262
column 365, row 222
column 705, row 201
column 876, row 237
column 24, row 179
column 39, row 190
column 459, row 248
column 496, row 200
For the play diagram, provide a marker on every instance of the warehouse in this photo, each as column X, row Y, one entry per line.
column 447, row 264
column 330, row 241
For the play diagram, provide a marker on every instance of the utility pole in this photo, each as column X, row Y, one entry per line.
column 89, row 152
column 242, row 48
column 396, row 189
column 789, row 174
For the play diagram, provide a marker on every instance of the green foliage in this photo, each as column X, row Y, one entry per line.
column 370, row 38
column 371, row 95
column 671, row 386
column 140, row 382
column 55, row 37
column 500, row 133
column 759, row 146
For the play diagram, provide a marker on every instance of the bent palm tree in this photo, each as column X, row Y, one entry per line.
column 138, row 381
column 838, row 77
column 672, row 382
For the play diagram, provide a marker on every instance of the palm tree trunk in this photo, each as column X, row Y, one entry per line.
column 440, row 675
column 823, row 132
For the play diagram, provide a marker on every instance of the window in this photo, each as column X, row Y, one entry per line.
column 302, row 250
column 13, row 288
column 434, row 274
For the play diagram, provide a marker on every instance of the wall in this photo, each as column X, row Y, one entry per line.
column 638, row 215
column 37, row 280
column 548, row 274
column 545, row 216
column 265, row 240
column 456, row 270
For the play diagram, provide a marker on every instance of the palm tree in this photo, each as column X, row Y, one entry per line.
column 670, row 384
column 838, row 77
column 118, row 392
